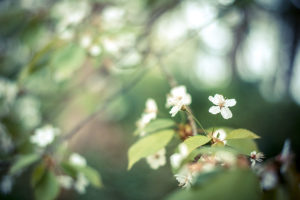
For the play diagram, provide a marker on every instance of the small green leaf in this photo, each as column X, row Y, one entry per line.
column 38, row 173
column 243, row 146
column 91, row 174
column 23, row 161
column 47, row 188
column 241, row 134
column 148, row 145
column 196, row 141
column 157, row 125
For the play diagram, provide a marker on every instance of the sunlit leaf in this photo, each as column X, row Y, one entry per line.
column 157, row 125
column 148, row 146
column 241, row 134
column 23, row 161
column 196, row 141
column 91, row 174
column 243, row 146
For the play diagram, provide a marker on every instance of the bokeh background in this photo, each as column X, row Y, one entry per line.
column 61, row 60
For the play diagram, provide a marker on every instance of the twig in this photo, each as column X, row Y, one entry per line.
column 173, row 83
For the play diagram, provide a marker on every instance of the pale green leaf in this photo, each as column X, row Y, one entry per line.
column 243, row 146
column 157, row 125
column 91, row 174
column 241, row 134
column 47, row 188
column 196, row 141
column 148, row 145
column 38, row 173
column 23, row 161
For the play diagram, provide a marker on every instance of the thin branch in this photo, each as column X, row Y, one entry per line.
column 173, row 83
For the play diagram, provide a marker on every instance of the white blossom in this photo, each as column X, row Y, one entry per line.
column 219, row 136
column 254, row 156
column 95, row 50
column 221, row 105
column 225, row 157
column 149, row 114
column 65, row 181
column 158, row 159
column 185, row 177
column 178, row 98
column 81, row 183
column 77, row 159
column 268, row 180
column 44, row 136
column 177, row 158
column 85, row 41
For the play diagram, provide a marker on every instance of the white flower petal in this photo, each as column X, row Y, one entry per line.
column 174, row 110
column 230, row 102
column 226, row 113
column 214, row 110
column 175, row 160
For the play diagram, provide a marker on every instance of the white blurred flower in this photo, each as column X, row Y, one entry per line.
column 113, row 17
column 132, row 58
column 225, row 157
column 158, row 159
column 6, row 184
column 65, row 181
column 219, row 136
column 85, row 41
column 254, row 156
column 221, row 106
column 77, row 159
column 81, row 183
column 66, row 34
column 44, row 136
column 95, row 50
column 185, row 177
column 178, row 98
column 268, row 180
column 177, row 158
column 149, row 114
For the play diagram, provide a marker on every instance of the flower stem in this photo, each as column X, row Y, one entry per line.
column 197, row 121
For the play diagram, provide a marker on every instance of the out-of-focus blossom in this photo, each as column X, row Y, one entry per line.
column 286, row 156
column 65, row 181
column 132, row 58
column 254, row 156
column 77, row 159
column 184, row 177
column 149, row 114
column 27, row 110
column 66, row 34
column 158, row 159
column 221, row 106
column 268, row 180
column 113, row 17
column 219, row 135
column 177, row 158
column 81, row 183
column 6, row 184
column 44, row 136
column 8, row 90
column 178, row 98
column 85, row 41
column 226, row 158
column 95, row 50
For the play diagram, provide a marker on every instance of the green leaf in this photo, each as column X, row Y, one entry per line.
column 23, row 161
column 91, row 174
column 47, row 188
column 243, row 146
column 38, row 174
column 232, row 184
column 196, row 141
column 157, row 125
column 241, row 134
column 148, row 145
